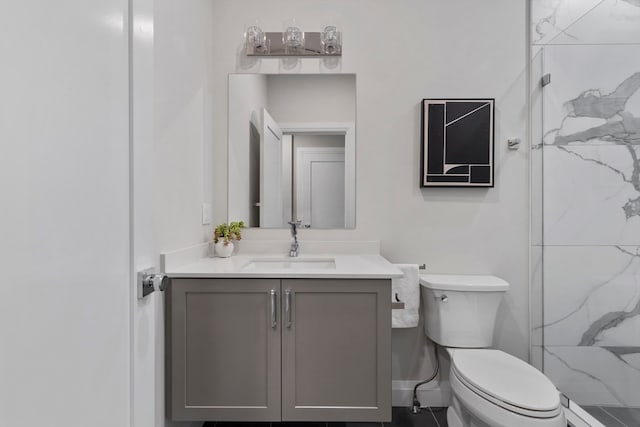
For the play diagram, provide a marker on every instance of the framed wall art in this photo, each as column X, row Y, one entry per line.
column 457, row 143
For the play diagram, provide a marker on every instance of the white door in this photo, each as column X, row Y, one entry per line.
column 320, row 187
column 64, row 221
column 147, row 314
column 287, row 177
column 271, row 176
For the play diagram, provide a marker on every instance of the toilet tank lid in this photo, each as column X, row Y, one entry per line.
column 463, row 282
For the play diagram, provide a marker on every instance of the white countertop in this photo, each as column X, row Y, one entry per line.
column 347, row 266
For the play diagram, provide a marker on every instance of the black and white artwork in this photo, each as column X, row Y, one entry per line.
column 457, row 142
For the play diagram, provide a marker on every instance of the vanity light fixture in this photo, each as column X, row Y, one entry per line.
column 293, row 42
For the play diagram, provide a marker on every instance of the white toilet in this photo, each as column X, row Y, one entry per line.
column 489, row 387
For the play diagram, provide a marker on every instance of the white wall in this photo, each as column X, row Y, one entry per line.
column 402, row 52
column 182, row 133
column 311, row 98
column 64, row 220
column 183, row 98
column 303, row 140
column 245, row 108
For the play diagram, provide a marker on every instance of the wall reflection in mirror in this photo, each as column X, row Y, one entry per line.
column 292, row 150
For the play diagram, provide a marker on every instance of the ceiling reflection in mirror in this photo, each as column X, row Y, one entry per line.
column 292, row 150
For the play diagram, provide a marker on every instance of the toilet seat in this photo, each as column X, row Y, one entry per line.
column 467, row 406
column 506, row 381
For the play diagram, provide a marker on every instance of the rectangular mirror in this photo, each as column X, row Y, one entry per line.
column 292, row 150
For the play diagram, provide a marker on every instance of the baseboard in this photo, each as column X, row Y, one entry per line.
column 431, row 394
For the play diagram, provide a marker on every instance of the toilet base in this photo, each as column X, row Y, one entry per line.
column 458, row 417
column 452, row 418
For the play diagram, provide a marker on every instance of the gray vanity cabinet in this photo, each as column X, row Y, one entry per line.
column 336, row 350
column 223, row 358
column 271, row 350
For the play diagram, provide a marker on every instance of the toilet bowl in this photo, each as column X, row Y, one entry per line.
column 489, row 387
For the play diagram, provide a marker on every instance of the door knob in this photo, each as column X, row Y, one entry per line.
column 149, row 281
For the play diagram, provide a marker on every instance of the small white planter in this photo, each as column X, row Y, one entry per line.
column 222, row 250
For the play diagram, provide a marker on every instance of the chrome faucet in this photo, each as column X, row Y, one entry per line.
column 293, row 225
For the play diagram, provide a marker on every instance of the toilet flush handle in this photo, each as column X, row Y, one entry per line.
column 444, row 298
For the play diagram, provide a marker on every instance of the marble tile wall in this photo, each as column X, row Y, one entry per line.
column 586, row 198
column 585, row 22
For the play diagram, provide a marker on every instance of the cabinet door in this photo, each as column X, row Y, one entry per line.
column 223, row 350
column 336, row 350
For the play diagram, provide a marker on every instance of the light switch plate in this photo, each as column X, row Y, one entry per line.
column 206, row 213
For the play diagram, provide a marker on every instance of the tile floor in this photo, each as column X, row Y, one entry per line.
column 401, row 417
column 612, row 416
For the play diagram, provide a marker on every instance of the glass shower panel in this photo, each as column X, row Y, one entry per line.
column 591, row 222
column 585, row 246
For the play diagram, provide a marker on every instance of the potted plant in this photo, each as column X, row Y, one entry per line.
column 224, row 235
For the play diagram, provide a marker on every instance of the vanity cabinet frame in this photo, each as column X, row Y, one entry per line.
column 321, row 349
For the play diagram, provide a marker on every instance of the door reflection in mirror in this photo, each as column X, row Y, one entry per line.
column 319, row 183
column 292, row 150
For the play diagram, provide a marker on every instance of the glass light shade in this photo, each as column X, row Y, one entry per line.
column 293, row 37
column 331, row 39
column 254, row 38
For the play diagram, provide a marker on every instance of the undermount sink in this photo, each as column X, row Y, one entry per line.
column 290, row 264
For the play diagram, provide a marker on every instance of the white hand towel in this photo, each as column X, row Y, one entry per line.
column 407, row 288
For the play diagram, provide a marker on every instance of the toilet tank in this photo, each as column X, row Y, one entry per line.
column 460, row 310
